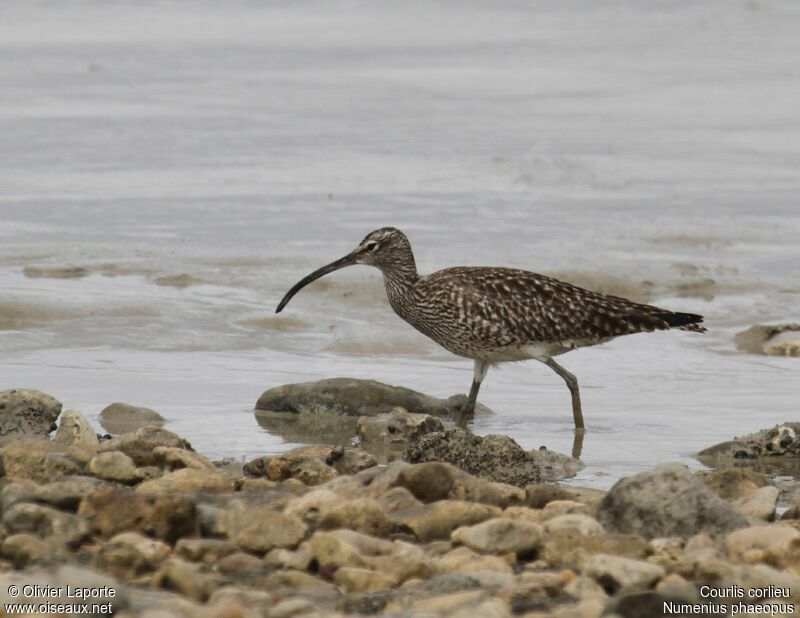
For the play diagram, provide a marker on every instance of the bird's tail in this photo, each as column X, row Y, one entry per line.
column 684, row 321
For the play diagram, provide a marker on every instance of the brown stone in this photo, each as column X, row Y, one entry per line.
column 174, row 458
column 189, row 479
column 733, row 483
column 438, row 519
column 129, row 555
column 204, row 550
column 428, row 482
column 162, row 516
column 308, row 469
column 260, row 528
column 353, row 579
column 27, row 458
column 113, row 466
column 362, row 515
column 191, row 579
column 24, row 548
column 559, row 544
column 46, row 522
column 141, row 444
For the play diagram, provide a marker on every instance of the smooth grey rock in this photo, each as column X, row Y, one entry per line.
column 667, row 501
column 326, row 411
column 350, row 397
column 123, row 418
column 26, row 412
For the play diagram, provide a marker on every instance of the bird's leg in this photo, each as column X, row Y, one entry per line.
column 481, row 367
column 572, row 384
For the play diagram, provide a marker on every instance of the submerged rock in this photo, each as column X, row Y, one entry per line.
column 26, row 412
column 778, row 440
column 123, row 418
column 351, row 397
column 327, row 411
column 668, row 501
column 775, row 340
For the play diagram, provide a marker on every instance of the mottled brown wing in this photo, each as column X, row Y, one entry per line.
column 500, row 306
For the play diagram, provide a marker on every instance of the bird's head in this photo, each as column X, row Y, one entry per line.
column 386, row 248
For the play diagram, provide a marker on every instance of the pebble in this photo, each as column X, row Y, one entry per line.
column 113, row 466
column 313, row 534
column 615, row 572
column 500, row 536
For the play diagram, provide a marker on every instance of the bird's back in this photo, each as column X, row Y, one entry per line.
column 479, row 312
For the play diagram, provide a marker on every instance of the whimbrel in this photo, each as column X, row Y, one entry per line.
column 495, row 315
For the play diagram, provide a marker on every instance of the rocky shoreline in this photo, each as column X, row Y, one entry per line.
column 140, row 524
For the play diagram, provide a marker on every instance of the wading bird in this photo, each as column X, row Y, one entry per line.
column 496, row 315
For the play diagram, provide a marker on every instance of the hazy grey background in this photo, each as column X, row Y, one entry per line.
column 195, row 159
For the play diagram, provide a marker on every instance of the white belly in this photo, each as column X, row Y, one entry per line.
column 539, row 351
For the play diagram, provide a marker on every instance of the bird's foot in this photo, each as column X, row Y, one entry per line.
column 463, row 410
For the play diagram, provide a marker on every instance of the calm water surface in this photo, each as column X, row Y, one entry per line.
column 194, row 161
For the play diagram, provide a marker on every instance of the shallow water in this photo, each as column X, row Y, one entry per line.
column 168, row 171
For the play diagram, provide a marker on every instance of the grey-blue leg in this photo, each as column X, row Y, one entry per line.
column 572, row 384
column 481, row 367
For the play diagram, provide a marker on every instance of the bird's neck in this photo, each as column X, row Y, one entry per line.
column 399, row 281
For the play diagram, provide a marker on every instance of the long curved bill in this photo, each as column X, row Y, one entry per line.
column 347, row 260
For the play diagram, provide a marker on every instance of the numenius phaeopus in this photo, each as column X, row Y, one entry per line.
column 494, row 315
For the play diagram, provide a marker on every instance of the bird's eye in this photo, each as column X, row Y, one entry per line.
column 371, row 245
